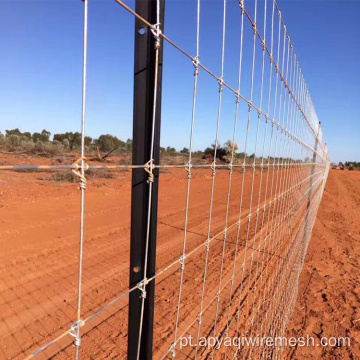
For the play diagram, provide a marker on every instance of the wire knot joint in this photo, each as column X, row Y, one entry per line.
column 182, row 262
column 196, row 62
column 75, row 331
column 156, row 31
column 221, row 84
column 80, row 164
column 149, row 167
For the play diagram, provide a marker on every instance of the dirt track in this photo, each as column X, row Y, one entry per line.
column 39, row 256
column 328, row 303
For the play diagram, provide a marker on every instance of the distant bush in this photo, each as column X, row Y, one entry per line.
column 52, row 149
column 43, row 136
column 14, row 140
column 23, row 138
column 39, row 146
column 230, row 151
column 109, row 143
column 18, row 132
column 66, row 143
column 73, row 139
column 28, row 146
column 2, row 139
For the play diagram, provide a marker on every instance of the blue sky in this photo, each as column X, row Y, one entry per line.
column 41, row 67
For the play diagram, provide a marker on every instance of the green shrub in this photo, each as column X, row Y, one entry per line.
column 2, row 139
column 28, row 146
column 52, row 149
column 39, row 146
column 66, row 143
column 14, row 140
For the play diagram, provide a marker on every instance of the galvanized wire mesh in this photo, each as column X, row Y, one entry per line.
column 235, row 273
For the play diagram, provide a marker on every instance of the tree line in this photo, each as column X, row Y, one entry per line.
column 106, row 143
column 68, row 141
column 40, row 142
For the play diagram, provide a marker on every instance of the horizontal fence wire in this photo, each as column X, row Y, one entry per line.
column 246, row 265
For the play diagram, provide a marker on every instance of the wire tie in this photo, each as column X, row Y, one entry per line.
column 182, row 262
column 148, row 167
column 241, row 4
column 243, row 167
column 188, row 169
column 253, row 167
column 156, row 31
column 78, row 165
column 230, row 166
column 207, row 247
column 141, row 286
column 200, row 315
column 250, row 105
column 213, row 168
column 195, row 62
column 263, row 44
column 74, row 331
column 172, row 349
column 237, row 96
column 221, row 82
column 254, row 28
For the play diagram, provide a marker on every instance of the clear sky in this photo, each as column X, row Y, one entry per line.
column 41, row 67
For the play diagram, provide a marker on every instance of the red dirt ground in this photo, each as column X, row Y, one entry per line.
column 328, row 303
column 39, row 255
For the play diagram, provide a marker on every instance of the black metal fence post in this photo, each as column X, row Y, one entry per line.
column 144, row 76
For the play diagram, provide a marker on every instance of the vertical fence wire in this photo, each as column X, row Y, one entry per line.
column 207, row 249
column 82, row 186
column 196, row 73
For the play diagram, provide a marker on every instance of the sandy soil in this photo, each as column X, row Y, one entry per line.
column 39, row 256
column 328, row 303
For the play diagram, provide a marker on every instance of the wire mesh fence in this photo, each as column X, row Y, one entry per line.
column 232, row 242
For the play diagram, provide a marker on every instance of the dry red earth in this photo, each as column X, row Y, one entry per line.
column 39, row 245
column 328, row 303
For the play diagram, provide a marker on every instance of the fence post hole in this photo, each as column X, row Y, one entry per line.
column 144, row 76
